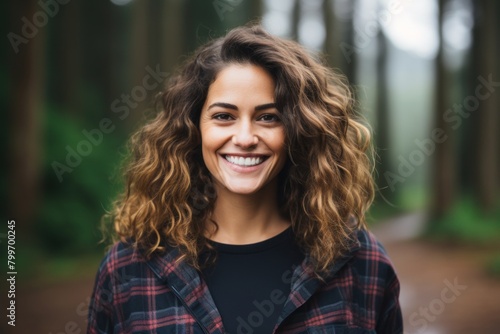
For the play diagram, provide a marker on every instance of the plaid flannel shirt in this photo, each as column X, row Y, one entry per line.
column 159, row 295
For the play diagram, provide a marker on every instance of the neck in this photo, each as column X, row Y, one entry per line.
column 245, row 219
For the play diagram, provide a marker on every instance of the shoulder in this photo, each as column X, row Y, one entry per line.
column 376, row 274
column 120, row 258
column 370, row 250
column 370, row 263
column 366, row 263
column 374, row 277
column 120, row 254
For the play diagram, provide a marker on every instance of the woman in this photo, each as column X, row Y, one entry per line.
column 245, row 202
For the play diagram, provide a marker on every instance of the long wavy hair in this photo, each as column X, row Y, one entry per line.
column 325, row 188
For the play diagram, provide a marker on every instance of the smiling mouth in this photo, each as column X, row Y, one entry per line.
column 245, row 161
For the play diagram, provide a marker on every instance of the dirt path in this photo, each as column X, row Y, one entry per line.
column 53, row 308
column 444, row 290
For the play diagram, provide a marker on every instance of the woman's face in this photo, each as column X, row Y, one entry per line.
column 243, row 139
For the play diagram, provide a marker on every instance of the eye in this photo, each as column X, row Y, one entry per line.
column 222, row 117
column 269, row 118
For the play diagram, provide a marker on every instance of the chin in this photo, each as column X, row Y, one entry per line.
column 244, row 189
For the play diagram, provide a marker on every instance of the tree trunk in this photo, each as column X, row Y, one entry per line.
column 296, row 19
column 382, row 135
column 444, row 168
column 172, row 41
column 255, row 12
column 26, row 104
column 497, row 95
column 488, row 118
column 350, row 63
column 140, row 46
column 68, row 73
column 331, row 43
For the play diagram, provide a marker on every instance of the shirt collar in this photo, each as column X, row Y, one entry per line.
column 305, row 283
column 185, row 282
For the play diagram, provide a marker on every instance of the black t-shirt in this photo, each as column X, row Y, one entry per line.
column 250, row 283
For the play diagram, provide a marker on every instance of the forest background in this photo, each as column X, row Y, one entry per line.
column 80, row 76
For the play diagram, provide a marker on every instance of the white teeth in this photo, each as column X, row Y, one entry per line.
column 241, row 161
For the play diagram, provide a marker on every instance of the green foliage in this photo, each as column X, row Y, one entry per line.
column 467, row 223
column 381, row 210
column 73, row 204
column 493, row 266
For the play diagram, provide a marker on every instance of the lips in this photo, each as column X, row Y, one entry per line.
column 245, row 161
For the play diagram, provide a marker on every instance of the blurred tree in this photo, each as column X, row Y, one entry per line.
column 497, row 77
column 140, row 36
column 487, row 143
column 206, row 20
column 66, row 67
column 479, row 161
column 349, row 65
column 113, row 22
column 468, row 127
column 382, row 134
column 443, row 185
column 296, row 19
column 339, row 47
column 140, row 47
column 203, row 20
column 158, row 42
column 330, row 47
column 94, row 66
column 240, row 12
column 26, row 101
column 256, row 10
column 172, row 33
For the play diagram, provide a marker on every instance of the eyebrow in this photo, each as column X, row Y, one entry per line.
column 232, row 106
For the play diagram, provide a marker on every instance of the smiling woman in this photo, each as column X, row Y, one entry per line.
column 245, row 204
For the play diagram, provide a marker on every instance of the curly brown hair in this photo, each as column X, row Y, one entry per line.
column 325, row 186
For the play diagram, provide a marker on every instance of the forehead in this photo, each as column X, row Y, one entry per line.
column 248, row 79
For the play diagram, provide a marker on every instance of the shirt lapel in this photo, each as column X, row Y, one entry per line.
column 186, row 284
column 305, row 283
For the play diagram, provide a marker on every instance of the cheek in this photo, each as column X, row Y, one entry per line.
column 209, row 157
column 277, row 141
column 211, row 141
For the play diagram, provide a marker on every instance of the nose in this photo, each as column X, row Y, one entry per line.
column 245, row 136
